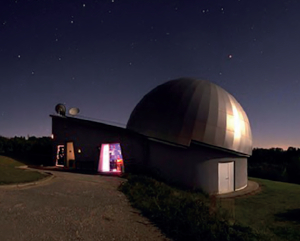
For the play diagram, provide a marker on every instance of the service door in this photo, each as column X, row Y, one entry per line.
column 226, row 177
column 70, row 155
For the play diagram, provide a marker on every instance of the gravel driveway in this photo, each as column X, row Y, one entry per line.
column 72, row 207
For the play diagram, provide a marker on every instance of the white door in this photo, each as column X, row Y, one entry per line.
column 226, row 177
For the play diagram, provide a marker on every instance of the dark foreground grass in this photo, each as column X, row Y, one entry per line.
column 182, row 215
column 9, row 174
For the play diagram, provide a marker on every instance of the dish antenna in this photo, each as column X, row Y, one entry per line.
column 60, row 109
column 73, row 111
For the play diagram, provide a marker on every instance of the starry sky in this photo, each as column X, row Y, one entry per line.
column 104, row 56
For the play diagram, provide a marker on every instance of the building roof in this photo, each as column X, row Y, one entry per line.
column 90, row 123
column 184, row 110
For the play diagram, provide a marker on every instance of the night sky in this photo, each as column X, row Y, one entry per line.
column 104, row 56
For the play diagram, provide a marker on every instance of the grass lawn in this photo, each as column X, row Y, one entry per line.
column 273, row 214
column 182, row 215
column 11, row 175
column 274, row 211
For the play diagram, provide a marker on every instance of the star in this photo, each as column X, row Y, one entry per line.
column 83, row 5
column 230, row 56
column 32, row 72
column 19, row 56
column 72, row 21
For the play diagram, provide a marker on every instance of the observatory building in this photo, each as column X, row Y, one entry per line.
column 192, row 132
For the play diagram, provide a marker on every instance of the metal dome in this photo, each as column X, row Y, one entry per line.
column 186, row 109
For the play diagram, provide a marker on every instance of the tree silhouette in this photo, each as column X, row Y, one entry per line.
column 275, row 164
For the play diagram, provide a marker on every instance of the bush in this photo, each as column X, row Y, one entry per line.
column 181, row 215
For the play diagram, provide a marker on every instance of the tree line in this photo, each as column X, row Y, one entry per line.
column 275, row 164
column 31, row 150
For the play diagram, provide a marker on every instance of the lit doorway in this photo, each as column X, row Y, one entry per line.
column 65, row 156
column 111, row 159
column 60, row 156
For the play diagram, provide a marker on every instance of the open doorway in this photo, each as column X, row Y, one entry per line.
column 65, row 156
column 111, row 159
column 60, row 156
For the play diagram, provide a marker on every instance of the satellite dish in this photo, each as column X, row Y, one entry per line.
column 73, row 111
column 60, row 109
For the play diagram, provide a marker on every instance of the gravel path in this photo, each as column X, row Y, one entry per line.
column 72, row 207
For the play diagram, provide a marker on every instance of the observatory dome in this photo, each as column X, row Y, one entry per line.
column 184, row 110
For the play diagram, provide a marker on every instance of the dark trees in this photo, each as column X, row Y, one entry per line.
column 33, row 150
column 275, row 164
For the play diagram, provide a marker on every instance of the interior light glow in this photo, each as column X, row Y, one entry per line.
column 60, row 156
column 111, row 159
column 104, row 158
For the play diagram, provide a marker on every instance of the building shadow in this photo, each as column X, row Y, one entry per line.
column 291, row 215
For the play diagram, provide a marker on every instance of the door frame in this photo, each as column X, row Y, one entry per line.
column 231, row 173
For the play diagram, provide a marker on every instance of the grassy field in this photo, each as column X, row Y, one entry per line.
column 183, row 215
column 273, row 214
column 275, row 211
column 11, row 175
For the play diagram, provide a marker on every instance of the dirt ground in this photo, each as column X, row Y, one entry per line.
column 72, row 207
